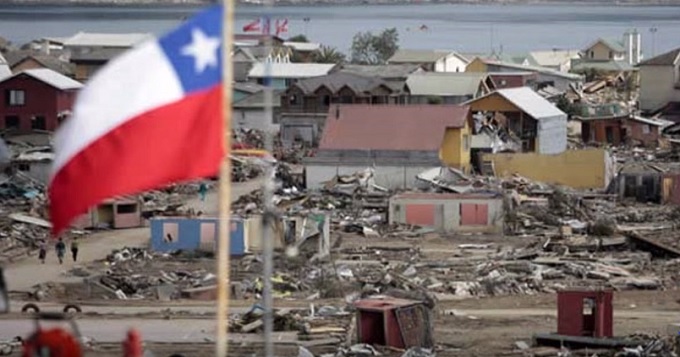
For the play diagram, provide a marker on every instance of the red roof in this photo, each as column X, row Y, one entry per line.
column 390, row 127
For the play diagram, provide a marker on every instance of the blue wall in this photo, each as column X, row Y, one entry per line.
column 189, row 234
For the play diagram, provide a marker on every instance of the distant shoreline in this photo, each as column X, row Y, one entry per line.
column 328, row 3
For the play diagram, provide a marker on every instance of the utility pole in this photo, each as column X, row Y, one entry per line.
column 653, row 31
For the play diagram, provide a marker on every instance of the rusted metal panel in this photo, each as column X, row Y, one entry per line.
column 420, row 214
column 585, row 313
column 397, row 323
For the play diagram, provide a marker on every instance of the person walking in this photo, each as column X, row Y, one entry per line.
column 61, row 249
column 42, row 253
column 202, row 191
column 74, row 248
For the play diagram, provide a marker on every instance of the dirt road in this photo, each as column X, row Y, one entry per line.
column 29, row 272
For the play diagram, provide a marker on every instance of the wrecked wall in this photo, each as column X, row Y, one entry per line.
column 449, row 212
column 180, row 233
column 455, row 149
column 581, row 169
column 388, row 176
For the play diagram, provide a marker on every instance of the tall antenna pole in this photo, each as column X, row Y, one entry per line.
column 223, row 245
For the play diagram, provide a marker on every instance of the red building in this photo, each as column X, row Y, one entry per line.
column 36, row 99
column 621, row 130
column 514, row 79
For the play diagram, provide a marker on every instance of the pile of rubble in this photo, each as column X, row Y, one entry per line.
column 22, row 216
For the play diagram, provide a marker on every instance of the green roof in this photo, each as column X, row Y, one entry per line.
column 610, row 66
column 614, row 44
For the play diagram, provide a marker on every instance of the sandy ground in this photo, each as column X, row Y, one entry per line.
column 29, row 272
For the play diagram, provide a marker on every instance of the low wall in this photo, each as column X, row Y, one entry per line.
column 581, row 169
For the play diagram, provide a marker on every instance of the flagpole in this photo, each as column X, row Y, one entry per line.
column 224, row 201
column 267, row 197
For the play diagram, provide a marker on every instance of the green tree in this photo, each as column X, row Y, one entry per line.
column 567, row 106
column 327, row 54
column 298, row 38
column 369, row 48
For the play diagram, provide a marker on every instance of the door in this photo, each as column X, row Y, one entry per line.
column 585, row 132
column 38, row 123
column 609, row 134
column 589, row 313
column 11, row 122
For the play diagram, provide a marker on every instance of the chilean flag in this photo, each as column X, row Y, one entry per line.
column 253, row 26
column 150, row 117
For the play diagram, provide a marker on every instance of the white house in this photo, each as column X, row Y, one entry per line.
column 431, row 60
column 660, row 81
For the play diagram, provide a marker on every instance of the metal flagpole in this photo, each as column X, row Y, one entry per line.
column 224, row 200
column 267, row 197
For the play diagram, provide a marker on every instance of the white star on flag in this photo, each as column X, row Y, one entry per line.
column 203, row 49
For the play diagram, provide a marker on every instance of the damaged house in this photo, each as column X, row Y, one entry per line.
column 522, row 116
column 473, row 212
column 630, row 129
column 545, row 77
column 397, row 141
column 647, row 182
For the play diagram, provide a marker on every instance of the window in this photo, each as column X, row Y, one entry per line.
column 11, row 122
column 24, row 167
column 646, row 129
column 293, row 100
column 38, row 123
column 466, row 142
column 15, row 97
column 126, row 208
column 346, row 99
column 592, row 54
column 611, row 54
column 325, row 100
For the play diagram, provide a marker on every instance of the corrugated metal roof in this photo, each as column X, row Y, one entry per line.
column 613, row 66
column 665, row 59
column 98, row 54
column 55, row 79
column 291, row 70
column 387, row 71
column 553, row 57
column 538, row 69
column 5, row 71
column 248, row 87
column 445, row 84
column 303, row 46
column 257, row 100
column 390, row 127
column 107, row 39
column 418, row 56
column 529, row 102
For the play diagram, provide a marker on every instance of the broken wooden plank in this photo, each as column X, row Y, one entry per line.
column 657, row 249
column 30, row 220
